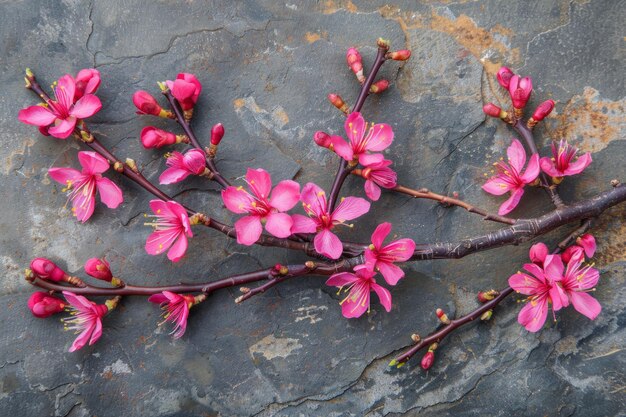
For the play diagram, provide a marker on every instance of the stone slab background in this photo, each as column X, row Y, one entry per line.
column 266, row 67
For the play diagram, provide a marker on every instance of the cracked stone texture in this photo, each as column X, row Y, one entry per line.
column 266, row 67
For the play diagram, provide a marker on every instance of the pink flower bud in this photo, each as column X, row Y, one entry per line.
column 538, row 253
column 99, row 269
column 401, row 55
column 43, row 305
column 322, row 139
column 379, row 86
column 443, row 317
column 519, row 90
column 492, row 110
column 146, row 104
column 151, row 137
column 428, row 360
column 46, row 269
column 504, row 76
column 573, row 251
column 543, row 110
column 186, row 89
column 485, row 296
column 355, row 62
column 87, row 82
column 217, row 133
column 337, row 101
column 588, row 243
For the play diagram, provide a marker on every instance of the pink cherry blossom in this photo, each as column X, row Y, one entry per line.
column 172, row 227
column 193, row 162
column 538, row 253
column 146, row 103
column 378, row 138
column 48, row 270
column 510, row 177
column 175, row 310
column 378, row 175
column 152, row 137
column 588, row 243
column 520, row 90
column 186, row 89
column 504, row 76
column 83, row 185
column 86, row 319
column 61, row 112
column 573, row 251
column 87, row 82
column 99, row 269
column 320, row 221
column 381, row 258
column 562, row 163
column 539, row 284
column 43, row 305
column 263, row 205
column 576, row 282
column 359, row 285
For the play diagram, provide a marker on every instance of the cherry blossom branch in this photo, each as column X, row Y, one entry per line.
column 344, row 168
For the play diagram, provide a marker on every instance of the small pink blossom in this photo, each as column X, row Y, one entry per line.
column 46, row 269
column 61, row 112
column 152, row 137
column 573, row 251
column 359, row 285
column 175, row 310
column 43, row 305
column 320, row 221
column 377, row 138
column 576, row 282
column 83, row 185
column 86, row 319
column 87, row 82
column 588, row 243
column 172, row 227
column 193, row 162
column 539, row 284
column 562, row 163
column 186, row 89
column 543, row 110
column 378, row 175
column 382, row 258
column 504, row 76
column 99, row 269
column 538, row 253
column 146, row 103
column 520, row 90
column 510, row 177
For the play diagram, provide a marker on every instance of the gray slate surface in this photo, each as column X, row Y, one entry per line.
column 266, row 67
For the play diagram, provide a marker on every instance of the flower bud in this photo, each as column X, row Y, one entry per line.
column 379, row 86
column 504, row 76
column 87, row 82
column 443, row 317
column 383, row 43
column 492, row 110
column 355, row 62
column 416, row 338
column 337, row 101
column 99, row 269
column 186, row 89
column 543, row 110
column 146, row 104
column 573, row 251
column 485, row 296
column 486, row 315
column 217, row 133
column 401, row 55
column 520, row 90
column 43, row 305
column 538, row 253
column 322, row 139
column 588, row 243
column 151, row 137
column 46, row 269
column 428, row 360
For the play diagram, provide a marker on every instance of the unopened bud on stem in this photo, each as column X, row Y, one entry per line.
column 355, row 62
column 485, row 296
column 379, row 86
column 416, row 337
column 486, row 315
column 541, row 112
column 443, row 317
column 401, row 55
column 338, row 102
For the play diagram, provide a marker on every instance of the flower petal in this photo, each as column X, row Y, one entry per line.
column 279, row 224
column 328, row 244
column 341, row 279
column 392, row 273
column 341, row 148
column 512, row 202
column 350, row 208
column 82, row 339
column 355, row 128
column 585, row 304
column 400, row 250
column 160, row 241
column 524, row 284
column 532, row 170
column 178, row 249
column 383, row 295
column 97, row 332
column 496, row 186
column 285, row 195
column 533, row 315
column 65, row 90
column 36, row 115
column 248, row 230
column 92, row 162
column 516, row 155
column 303, row 224
column 548, row 166
column 64, row 128
column 84, row 203
column 260, row 182
column 379, row 137
column 79, row 302
column 372, row 191
column 380, row 233
column 579, row 166
column 367, row 159
column 110, row 193
column 553, row 268
column 173, row 175
column 157, row 298
column 63, row 175
column 237, row 200
column 86, row 106
column 314, row 198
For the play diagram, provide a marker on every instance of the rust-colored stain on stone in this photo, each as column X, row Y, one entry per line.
column 589, row 121
column 610, row 232
column 330, row 6
column 312, row 37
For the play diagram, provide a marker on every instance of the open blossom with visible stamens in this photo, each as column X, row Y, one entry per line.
column 175, row 309
column 378, row 175
column 43, row 305
column 62, row 112
column 377, row 138
column 510, row 177
column 186, row 89
column 359, row 285
column 561, row 164
column 87, row 82
column 193, row 162
column 83, row 185
column 541, row 287
column 172, row 227
column 381, row 258
column 86, row 319
column 261, row 207
column 576, row 282
column 320, row 221
column 520, row 90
